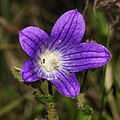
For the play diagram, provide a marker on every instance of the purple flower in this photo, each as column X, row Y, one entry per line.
column 57, row 57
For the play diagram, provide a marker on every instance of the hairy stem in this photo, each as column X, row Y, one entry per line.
column 51, row 111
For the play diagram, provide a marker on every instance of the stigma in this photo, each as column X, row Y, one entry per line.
column 50, row 61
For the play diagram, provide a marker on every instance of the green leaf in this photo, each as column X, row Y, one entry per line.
column 84, row 113
column 16, row 72
column 44, row 99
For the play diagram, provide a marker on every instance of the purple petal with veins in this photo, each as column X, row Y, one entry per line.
column 68, row 28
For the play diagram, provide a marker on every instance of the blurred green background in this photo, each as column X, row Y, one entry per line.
column 102, row 25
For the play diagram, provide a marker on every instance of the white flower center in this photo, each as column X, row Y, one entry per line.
column 50, row 61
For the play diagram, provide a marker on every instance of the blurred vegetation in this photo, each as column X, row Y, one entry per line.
column 102, row 25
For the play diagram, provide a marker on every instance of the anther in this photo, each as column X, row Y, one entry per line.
column 43, row 60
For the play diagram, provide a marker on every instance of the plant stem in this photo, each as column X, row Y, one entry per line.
column 50, row 88
column 51, row 111
column 103, row 79
column 51, row 105
column 84, row 81
column 103, row 94
column 86, row 6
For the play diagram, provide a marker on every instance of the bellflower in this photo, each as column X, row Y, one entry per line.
column 57, row 57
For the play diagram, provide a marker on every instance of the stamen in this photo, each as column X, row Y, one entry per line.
column 43, row 60
column 50, row 61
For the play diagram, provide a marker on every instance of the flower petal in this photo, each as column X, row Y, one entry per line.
column 31, row 39
column 68, row 28
column 84, row 56
column 28, row 72
column 66, row 83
